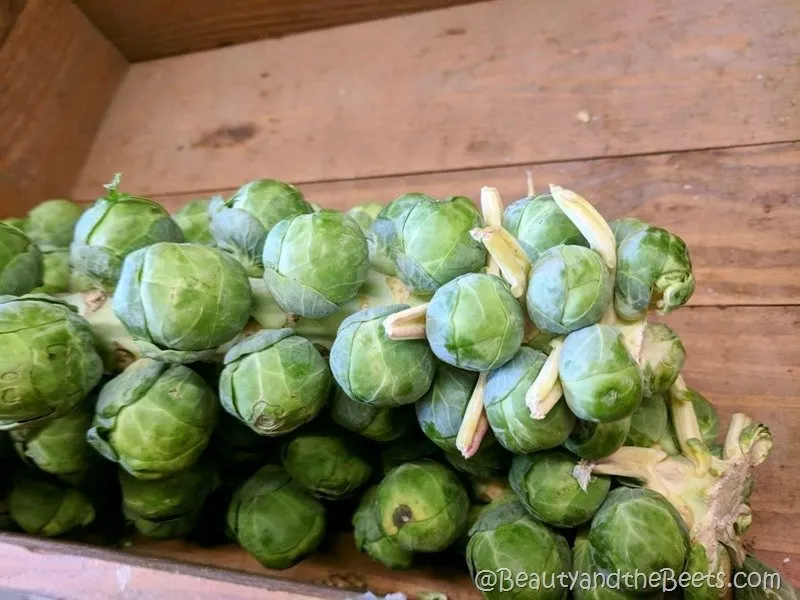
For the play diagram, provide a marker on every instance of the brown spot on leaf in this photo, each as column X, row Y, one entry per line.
column 227, row 136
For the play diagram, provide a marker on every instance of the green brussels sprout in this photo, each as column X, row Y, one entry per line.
column 546, row 486
column 154, row 419
column 237, row 446
column 590, row 587
column 654, row 271
column 274, row 382
column 381, row 424
column 371, row 540
column 651, row 426
column 622, row 228
column 241, row 224
column 59, row 446
column 601, row 380
column 21, row 264
column 474, row 322
column 274, row 519
column 422, row 506
column 170, row 507
column 505, row 536
column 56, row 274
column 195, row 222
column 112, row 228
column 539, row 224
column 51, row 224
column 637, row 530
column 374, row 369
column 441, row 410
column 540, row 340
column 47, row 507
column 590, row 439
column 327, row 463
column 767, row 576
column 491, row 459
column 705, row 584
column 569, row 288
column 661, row 358
column 707, row 416
column 315, row 263
column 411, row 447
column 509, row 415
column 20, row 223
column 385, row 229
column 365, row 215
column 473, row 515
column 48, row 364
column 181, row 301
column 431, row 242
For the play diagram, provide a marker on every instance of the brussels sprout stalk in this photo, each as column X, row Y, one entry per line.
column 687, row 430
column 589, row 222
column 508, row 255
column 529, row 181
column 546, row 389
column 408, row 324
column 474, row 424
column 712, row 503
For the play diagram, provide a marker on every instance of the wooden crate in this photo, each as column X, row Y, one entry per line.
column 681, row 112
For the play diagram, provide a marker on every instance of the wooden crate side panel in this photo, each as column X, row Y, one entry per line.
column 149, row 29
column 738, row 210
column 498, row 83
column 58, row 75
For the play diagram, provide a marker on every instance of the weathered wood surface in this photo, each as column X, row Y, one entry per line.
column 738, row 210
column 148, row 29
column 57, row 76
column 497, row 83
column 9, row 11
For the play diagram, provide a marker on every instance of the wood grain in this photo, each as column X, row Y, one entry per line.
column 57, row 76
column 738, row 210
column 487, row 84
column 149, row 29
column 9, row 11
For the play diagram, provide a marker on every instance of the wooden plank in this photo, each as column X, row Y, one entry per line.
column 57, row 76
column 76, row 572
column 148, row 29
column 738, row 209
column 505, row 82
column 9, row 11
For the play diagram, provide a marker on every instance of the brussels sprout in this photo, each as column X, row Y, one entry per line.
column 48, row 363
column 661, row 358
column 651, row 427
column 707, row 417
column 371, row 540
column 546, row 486
column 441, row 410
column 42, row 506
column 154, row 419
column 385, row 229
column 315, row 263
column 654, row 271
column 539, row 224
column 374, row 369
column 601, row 380
column 590, row 439
column 622, row 228
column 274, row 519
column 569, row 288
column 505, row 536
column 51, row 224
column 588, row 585
column 431, row 242
column 539, row 340
column 112, row 228
column 422, row 506
column 474, row 323
column 195, row 222
column 21, row 265
column 365, row 215
column 705, row 573
column 237, row 446
column 59, row 446
column 637, row 530
column 20, row 223
column 411, row 447
column 274, row 382
column 327, row 463
column 240, row 225
column 508, row 414
column 169, row 507
column 56, row 275
column 767, row 577
column 182, row 301
column 491, row 459
column 473, row 515
column 381, row 424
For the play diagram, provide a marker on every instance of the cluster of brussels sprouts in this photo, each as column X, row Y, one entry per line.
column 482, row 382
